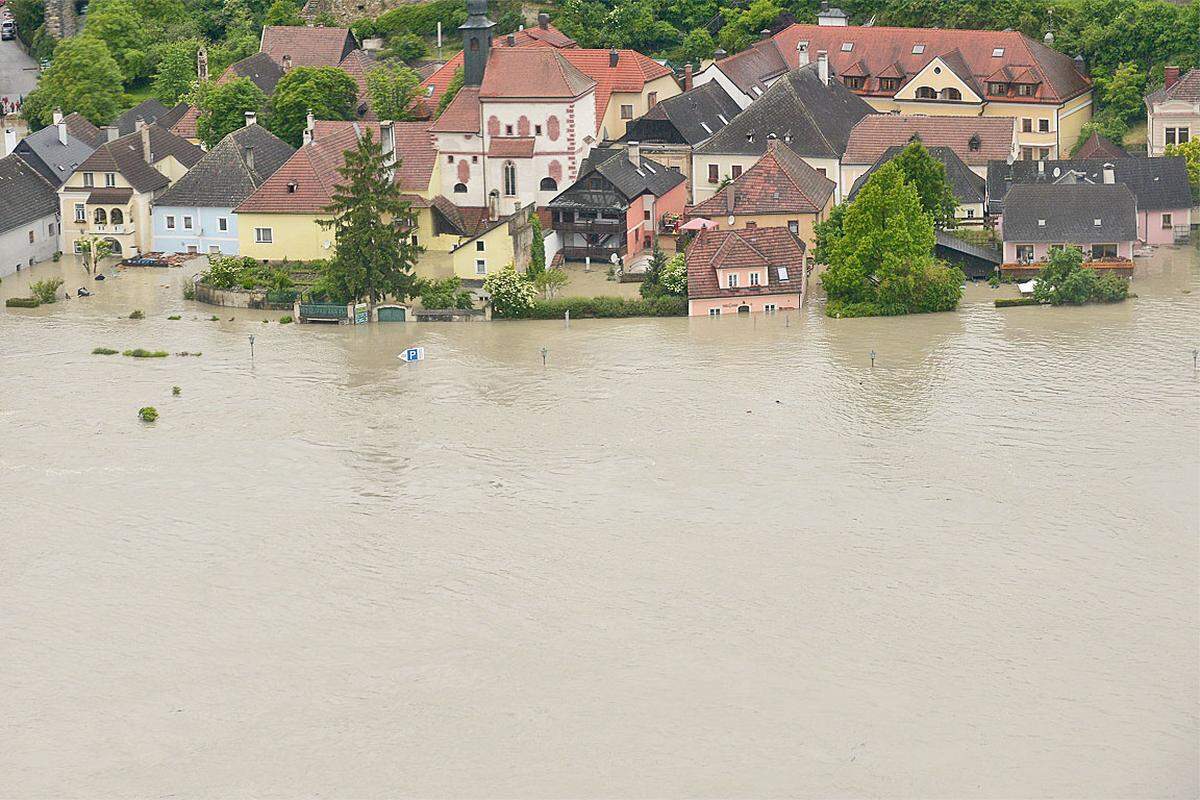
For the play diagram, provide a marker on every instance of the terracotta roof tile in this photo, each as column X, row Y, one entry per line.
column 1187, row 89
column 1098, row 146
column 533, row 72
column 874, row 134
column 307, row 47
column 511, row 147
column 768, row 248
column 186, row 126
column 462, row 115
column 632, row 72
column 780, row 183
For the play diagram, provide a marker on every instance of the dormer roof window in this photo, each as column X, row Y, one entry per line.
column 847, row 47
column 918, row 49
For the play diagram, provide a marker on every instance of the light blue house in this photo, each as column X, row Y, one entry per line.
column 196, row 214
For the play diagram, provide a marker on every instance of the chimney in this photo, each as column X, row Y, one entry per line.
column 309, row 127
column 111, row 133
column 824, row 5
column 729, row 200
column 139, row 123
column 251, row 118
column 802, row 53
column 823, row 66
column 10, row 140
column 146, row 145
column 634, row 151
column 1080, row 64
column 544, row 21
column 511, row 40
column 387, row 143
column 1170, row 77
column 1109, row 176
column 1048, row 39
column 718, row 54
column 764, row 34
column 687, row 77
column 613, row 57
column 248, row 154
column 58, row 116
column 62, row 131
column 287, row 63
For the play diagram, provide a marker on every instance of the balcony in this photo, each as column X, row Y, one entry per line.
column 600, row 227
column 594, row 252
column 1029, row 268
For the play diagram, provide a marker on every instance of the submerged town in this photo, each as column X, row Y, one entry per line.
column 330, row 171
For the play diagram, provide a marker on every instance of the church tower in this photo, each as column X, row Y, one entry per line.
column 477, row 42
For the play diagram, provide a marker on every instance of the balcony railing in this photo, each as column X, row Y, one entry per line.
column 604, row 227
column 596, row 253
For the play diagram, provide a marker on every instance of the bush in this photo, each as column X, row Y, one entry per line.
column 445, row 293
column 286, row 319
column 512, row 294
column 104, row 351
column 173, row 317
column 148, row 413
column 607, row 307
column 1110, row 288
column 22, row 302
column 214, row 318
column 137, row 314
column 46, row 291
column 421, row 19
column 142, row 353
column 1064, row 281
column 1010, row 302
column 176, row 391
column 189, row 292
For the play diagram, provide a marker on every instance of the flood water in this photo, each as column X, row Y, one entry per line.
column 685, row 558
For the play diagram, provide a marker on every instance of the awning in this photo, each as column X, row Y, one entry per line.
column 698, row 224
column 110, row 195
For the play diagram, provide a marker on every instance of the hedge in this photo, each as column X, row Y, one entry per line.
column 607, row 307
column 1009, row 302
column 22, row 302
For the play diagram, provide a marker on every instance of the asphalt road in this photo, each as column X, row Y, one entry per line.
column 18, row 72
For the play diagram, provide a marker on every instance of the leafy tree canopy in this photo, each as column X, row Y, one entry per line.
column 928, row 176
column 392, row 89
column 1191, row 152
column 83, row 77
column 123, row 30
column 328, row 91
column 223, row 108
column 176, row 71
column 283, row 12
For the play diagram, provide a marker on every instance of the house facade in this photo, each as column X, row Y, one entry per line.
column 195, row 215
column 617, row 206
column 29, row 216
column 109, row 196
column 1099, row 219
column 941, row 72
column 1173, row 112
column 471, row 243
column 58, row 149
column 756, row 270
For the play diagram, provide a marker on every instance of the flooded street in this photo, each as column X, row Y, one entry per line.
column 686, row 558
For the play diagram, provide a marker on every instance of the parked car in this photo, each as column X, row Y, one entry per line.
column 8, row 30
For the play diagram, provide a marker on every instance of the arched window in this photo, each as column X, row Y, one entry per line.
column 548, row 185
column 510, row 178
column 950, row 93
column 926, row 93
column 474, row 45
column 101, row 217
column 117, row 217
column 460, row 188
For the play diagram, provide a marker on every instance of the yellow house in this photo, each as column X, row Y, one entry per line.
column 281, row 219
column 780, row 191
column 472, row 243
column 109, row 195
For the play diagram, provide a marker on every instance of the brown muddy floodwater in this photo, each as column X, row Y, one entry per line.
column 687, row 558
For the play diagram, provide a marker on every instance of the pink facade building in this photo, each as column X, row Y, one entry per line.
column 1100, row 219
column 752, row 270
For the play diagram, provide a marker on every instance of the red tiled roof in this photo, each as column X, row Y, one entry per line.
column 631, row 73
column 308, row 47
column 875, row 133
column 313, row 169
column 511, row 147
column 186, row 126
column 357, row 65
column 767, row 248
column 780, row 183
column 462, row 115
column 1098, row 146
column 533, row 72
column 884, row 50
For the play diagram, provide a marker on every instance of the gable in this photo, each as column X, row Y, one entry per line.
column 939, row 76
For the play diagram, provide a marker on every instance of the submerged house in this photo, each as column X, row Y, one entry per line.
column 29, row 216
column 745, row 271
column 617, row 206
column 1099, row 219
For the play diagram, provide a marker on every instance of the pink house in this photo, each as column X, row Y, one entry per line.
column 751, row 270
column 1100, row 219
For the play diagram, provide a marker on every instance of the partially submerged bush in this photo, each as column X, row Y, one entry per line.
column 608, row 307
column 143, row 353
column 148, row 413
column 137, row 314
column 176, row 391
column 104, row 351
column 46, row 291
column 22, row 302
column 173, row 317
column 286, row 319
column 1009, row 302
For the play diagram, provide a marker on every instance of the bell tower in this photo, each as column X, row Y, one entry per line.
column 477, row 42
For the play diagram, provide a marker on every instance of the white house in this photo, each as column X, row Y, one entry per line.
column 29, row 223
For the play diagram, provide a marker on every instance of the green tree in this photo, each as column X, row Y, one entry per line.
column 1064, row 281
column 512, row 294
column 583, row 21
column 674, row 278
column 283, row 12
column 1121, row 92
column 392, row 89
column 176, row 71
column 928, row 175
column 634, row 24
column 1191, row 154
column 328, row 91
column 444, row 293
column 882, row 262
column 123, row 30
column 650, row 283
column 827, row 232
column 94, row 250
column 456, row 83
column 743, row 26
column 223, row 108
column 550, row 281
column 372, row 224
column 1107, row 124
column 406, row 47
column 697, row 46
column 537, row 248
column 83, row 77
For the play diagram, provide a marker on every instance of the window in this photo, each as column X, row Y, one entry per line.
column 853, row 82
column 1096, row 222
column 262, row 235
column 1178, row 135
column 110, row 179
column 1027, row 153
column 731, row 280
column 1025, row 89
column 1025, row 253
column 474, row 159
column 116, row 217
column 794, row 227
column 78, row 247
column 99, row 216
column 782, row 272
column 510, row 178
column 1026, row 125
column 673, row 168
column 847, row 47
column 970, row 213
column 449, row 159
column 292, row 187
column 537, row 130
column 1041, row 223
column 508, row 130
column 214, row 250
column 646, row 214
column 1044, row 125
column 31, row 237
column 170, row 222
column 187, row 223
column 80, row 213
column 480, row 267
column 714, row 312
column 889, row 84
column 754, row 279
column 713, row 174
column 548, row 185
column 460, row 188
column 652, row 99
column 926, row 93
column 1104, row 251
column 997, row 88
column 768, row 308
column 918, row 49
column 193, row 249
column 950, row 93
column 997, row 52
column 736, row 171
column 1166, row 221
column 1044, row 153
column 222, row 224
column 479, row 246
column 626, row 112
column 89, row 179
column 750, row 224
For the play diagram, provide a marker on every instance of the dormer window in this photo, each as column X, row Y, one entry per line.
column 783, row 273
column 1096, row 222
column 998, row 52
column 1025, row 89
column 889, row 84
column 847, row 47
column 291, row 187
column 974, row 143
column 1041, row 223
column 918, row 49
column 854, row 82
column 997, row 88
column 750, row 138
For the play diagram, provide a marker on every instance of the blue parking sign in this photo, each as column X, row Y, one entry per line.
column 413, row 354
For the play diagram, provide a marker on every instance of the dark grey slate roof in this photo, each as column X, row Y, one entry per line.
column 124, row 155
column 27, row 195
column 262, row 71
column 222, row 179
column 1068, row 213
column 966, row 185
column 49, row 156
column 812, row 118
column 688, row 118
column 1157, row 183
column 617, row 171
column 151, row 111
